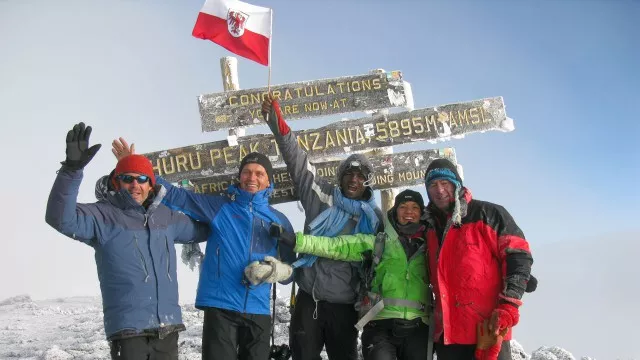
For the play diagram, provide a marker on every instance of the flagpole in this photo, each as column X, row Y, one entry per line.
column 270, row 37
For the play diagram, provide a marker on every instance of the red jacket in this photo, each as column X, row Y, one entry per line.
column 481, row 258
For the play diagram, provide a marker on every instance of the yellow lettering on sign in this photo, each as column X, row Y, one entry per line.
column 415, row 121
column 280, row 177
column 381, row 130
column 452, row 119
column 298, row 90
column 228, row 156
column 486, row 119
column 366, row 85
column 157, row 168
column 287, row 95
column 164, row 165
column 430, row 120
column 341, row 135
column 318, row 93
column 315, row 136
column 376, row 84
column 214, row 154
column 193, row 166
column 383, row 179
column 463, row 116
column 315, row 106
column 473, row 113
column 329, row 140
column 244, row 99
column 355, row 86
column 275, row 145
column 360, row 136
column 181, row 160
column 233, row 100
column 330, row 89
column 340, row 85
column 308, row 91
column 243, row 151
column 405, row 125
column 394, row 130
column 304, row 142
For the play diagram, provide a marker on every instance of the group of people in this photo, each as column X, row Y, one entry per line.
column 447, row 277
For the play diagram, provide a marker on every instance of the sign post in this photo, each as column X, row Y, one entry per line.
column 433, row 124
column 305, row 99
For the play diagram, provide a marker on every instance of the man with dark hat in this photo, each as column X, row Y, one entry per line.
column 133, row 235
column 324, row 314
column 479, row 262
column 241, row 259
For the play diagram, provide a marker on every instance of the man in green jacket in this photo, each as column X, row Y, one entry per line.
column 400, row 285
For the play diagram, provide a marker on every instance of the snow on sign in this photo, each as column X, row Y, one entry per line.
column 391, row 171
column 429, row 124
column 306, row 99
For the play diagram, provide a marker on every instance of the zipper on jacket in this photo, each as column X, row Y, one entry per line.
column 142, row 260
column 146, row 218
column 246, row 295
column 166, row 241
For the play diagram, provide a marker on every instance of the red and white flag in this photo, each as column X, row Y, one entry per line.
column 241, row 28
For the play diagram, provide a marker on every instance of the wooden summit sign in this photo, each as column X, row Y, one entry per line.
column 391, row 171
column 428, row 124
column 305, row 99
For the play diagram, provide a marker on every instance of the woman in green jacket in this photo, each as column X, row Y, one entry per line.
column 398, row 329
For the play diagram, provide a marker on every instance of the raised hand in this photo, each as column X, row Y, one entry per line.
column 273, row 116
column 78, row 151
column 120, row 148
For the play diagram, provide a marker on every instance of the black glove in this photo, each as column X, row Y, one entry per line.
column 532, row 284
column 78, row 155
column 283, row 236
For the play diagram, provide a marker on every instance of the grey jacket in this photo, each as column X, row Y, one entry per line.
column 330, row 280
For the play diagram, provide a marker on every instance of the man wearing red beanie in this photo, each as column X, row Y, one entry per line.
column 241, row 261
column 133, row 235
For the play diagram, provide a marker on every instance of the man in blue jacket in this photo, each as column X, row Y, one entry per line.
column 240, row 261
column 133, row 235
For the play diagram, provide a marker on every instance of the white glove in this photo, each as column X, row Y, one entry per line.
column 270, row 270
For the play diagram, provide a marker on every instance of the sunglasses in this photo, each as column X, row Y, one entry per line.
column 128, row 179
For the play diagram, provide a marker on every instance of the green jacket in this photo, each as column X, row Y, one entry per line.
column 396, row 276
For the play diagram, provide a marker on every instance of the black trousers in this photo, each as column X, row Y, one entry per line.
column 466, row 352
column 145, row 348
column 230, row 335
column 333, row 327
column 395, row 339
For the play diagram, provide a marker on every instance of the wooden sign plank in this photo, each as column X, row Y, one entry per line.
column 429, row 124
column 391, row 171
column 305, row 99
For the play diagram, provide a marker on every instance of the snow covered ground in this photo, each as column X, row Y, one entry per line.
column 71, row 328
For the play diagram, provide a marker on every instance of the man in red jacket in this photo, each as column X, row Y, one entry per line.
column 479, row 265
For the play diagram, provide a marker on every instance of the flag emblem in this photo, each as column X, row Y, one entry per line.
column 236, row 21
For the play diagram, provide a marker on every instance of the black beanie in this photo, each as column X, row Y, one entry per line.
column 260, row 159
column 409, row 195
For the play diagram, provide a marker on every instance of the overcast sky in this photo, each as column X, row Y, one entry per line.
column 568, row 72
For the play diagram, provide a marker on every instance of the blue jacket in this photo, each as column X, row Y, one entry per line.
column 239, row 235
column 134, row 252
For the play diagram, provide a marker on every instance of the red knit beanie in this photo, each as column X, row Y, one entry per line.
column 135, row 164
